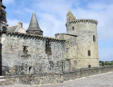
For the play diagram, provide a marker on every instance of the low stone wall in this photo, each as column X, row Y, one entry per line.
column 86, row 72
column 57, row 78
column 35, row 79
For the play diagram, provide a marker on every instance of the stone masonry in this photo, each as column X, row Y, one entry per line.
column 30, row 53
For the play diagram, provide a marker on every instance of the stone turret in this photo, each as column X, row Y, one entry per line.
column 34, row 27
column 70, row 16
column 86, row 42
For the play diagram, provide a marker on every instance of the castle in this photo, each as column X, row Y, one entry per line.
column 29, row 52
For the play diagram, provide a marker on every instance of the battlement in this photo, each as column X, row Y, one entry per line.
column 84, row 21
column 32, row 36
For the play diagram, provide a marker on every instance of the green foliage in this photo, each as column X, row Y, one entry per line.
column 105, row 63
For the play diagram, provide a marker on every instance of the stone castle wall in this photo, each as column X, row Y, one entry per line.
column 23, row 54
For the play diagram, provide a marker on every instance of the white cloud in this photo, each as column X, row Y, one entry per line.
column 8, row 1
column 51, row 25
column 52, row 14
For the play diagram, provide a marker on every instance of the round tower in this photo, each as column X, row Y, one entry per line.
column 87, row 41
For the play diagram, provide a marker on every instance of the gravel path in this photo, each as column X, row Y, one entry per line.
column 101, row 80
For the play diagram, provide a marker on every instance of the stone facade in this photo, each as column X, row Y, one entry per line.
column 30, row 52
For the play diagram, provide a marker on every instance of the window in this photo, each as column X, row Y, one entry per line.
column 48, row 47
column 94, row 38
column 89, row 53
column 51, row 65
column 4, row 29
column 30, row 68
column 73, row 28
column 89, row 66
column 25, row 49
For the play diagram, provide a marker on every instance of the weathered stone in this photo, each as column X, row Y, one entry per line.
column 34, row 58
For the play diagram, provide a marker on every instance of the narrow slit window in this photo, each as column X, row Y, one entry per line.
column 94, row 38
column 48, row 47
column 89, row 53
column 73, row 28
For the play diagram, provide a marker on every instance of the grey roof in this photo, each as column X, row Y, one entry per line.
column 34, row 23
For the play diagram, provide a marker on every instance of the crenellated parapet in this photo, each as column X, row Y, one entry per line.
column 84, row 21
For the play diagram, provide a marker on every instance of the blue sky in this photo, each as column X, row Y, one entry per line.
column 51, row 15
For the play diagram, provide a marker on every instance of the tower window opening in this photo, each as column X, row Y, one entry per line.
column 94, row 38
column 73, row 28
column 89, row 53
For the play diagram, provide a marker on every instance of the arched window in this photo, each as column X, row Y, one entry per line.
column 94, row 38
column 89, row 53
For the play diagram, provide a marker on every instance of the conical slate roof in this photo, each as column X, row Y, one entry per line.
column 34, row 23
column 34, row 27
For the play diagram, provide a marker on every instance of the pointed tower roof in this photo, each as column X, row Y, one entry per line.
column 34, row 27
